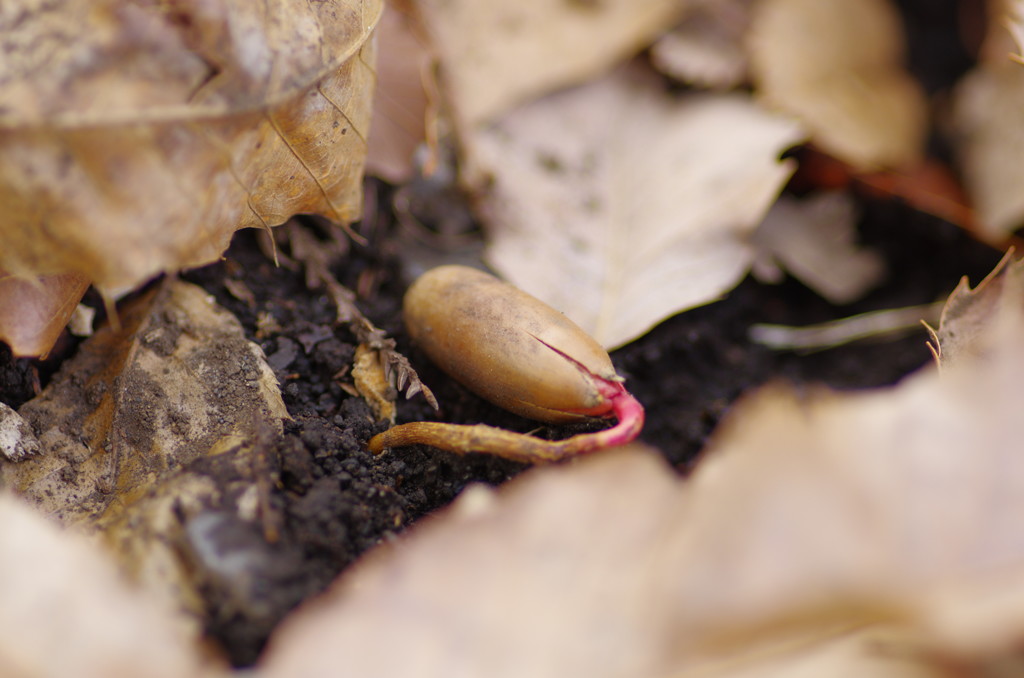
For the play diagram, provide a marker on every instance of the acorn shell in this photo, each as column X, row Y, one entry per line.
column 507, row 346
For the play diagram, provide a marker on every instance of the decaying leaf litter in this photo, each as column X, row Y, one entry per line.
column 327, row 500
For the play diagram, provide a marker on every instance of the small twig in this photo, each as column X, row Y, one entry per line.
column 263, row 449
column 845, row 330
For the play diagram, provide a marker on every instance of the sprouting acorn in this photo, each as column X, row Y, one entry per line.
column 519, row 353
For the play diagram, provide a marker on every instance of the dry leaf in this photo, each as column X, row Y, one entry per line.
column 495, row 54
column 68, row 612
column 34, row 312
column 836, row 65
column 838, row 532
column 973, row 318
column 136, row 138
column 372, row 385
column 401, row 105
column 132, row 406
column 814, row 239
column 621, row 205
column 707, row 48
column 990, row 129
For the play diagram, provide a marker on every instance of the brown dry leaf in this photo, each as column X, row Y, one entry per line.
column 824, row 534
column 402, row 109
column 621, row 205
column 990, row 130
column 372, row 385
column 495, row 54
column 814, row 240
column 68, row 612
column 707, row 48
column 135, row 138
column 132, row 406
column 34, row 312
column 837, row 66
column 971, row 316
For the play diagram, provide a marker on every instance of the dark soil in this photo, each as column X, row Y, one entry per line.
column 337, row 500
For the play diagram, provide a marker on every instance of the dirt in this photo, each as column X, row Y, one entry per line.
column 337, row 500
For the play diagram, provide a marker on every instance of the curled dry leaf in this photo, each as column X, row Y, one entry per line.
column 818, row 524
column 495, row 54
column 136, row 138
column 621, row 205
column 836, row 65
column 973, row 318
column 372, row 385
column 68, row 612
column 814, row 239
column 33, row 312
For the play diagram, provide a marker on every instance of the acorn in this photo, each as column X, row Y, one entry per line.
column 507, row 346
column 514, row 350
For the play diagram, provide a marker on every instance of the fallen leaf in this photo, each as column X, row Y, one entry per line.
column 836, row 65
column 621, row 205
column 814, row 240
column 68, row 612
column 842, row 532
column 707, row 48
column 402, row 108
column 973, row 318
column 136, row 138
column 134, row 405
column 34, row 312
column 987, row 107
column 496, row 54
